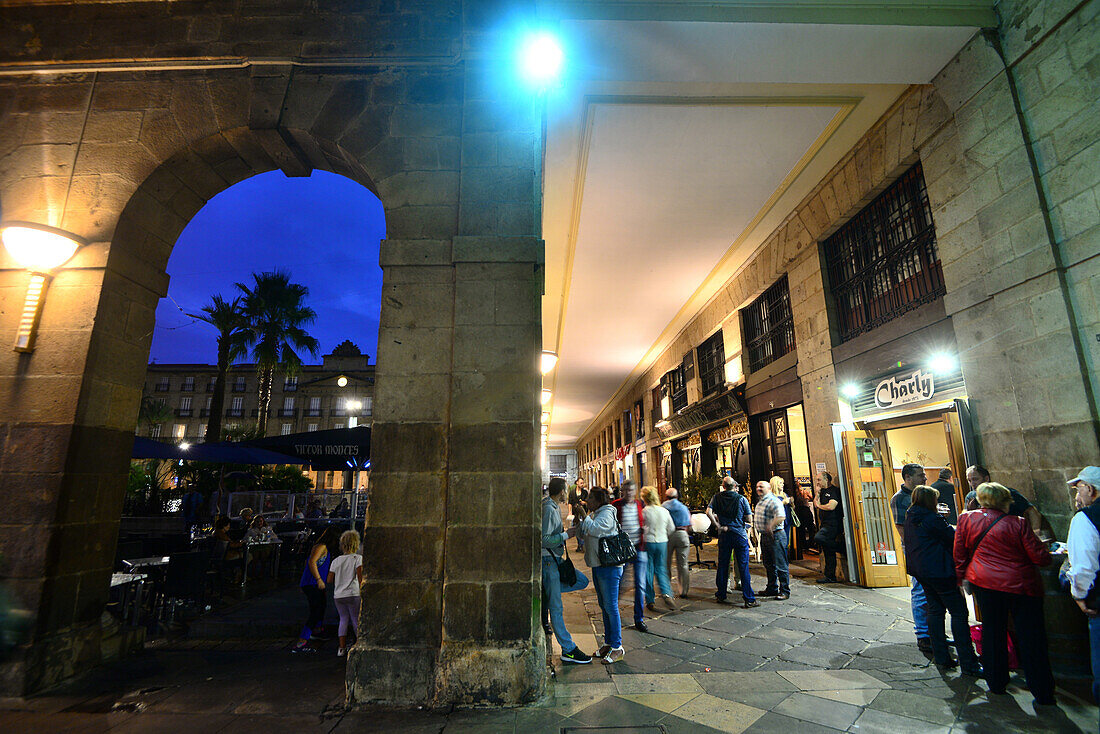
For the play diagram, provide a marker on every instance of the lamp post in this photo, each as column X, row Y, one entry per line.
column 41, row 250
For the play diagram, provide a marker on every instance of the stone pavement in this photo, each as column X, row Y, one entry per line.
column 830, row 659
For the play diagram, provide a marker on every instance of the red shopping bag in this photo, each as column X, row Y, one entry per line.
column 976, row 637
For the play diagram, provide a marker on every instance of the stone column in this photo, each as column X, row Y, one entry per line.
column 452, row 585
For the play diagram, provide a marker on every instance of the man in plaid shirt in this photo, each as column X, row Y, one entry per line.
column 767, row 520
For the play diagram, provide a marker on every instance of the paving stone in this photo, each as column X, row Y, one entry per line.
column 852, row 630
column 679, row 649
column 837, row 643
column 718, row 713
column 667, row 702
column 898, row 653
column 778, row 634
column 819, row 710
column 816, row 656
column 691, row 618
column 644, row 661
column 817, row 614
column 615, row 711
column 705, row 637
column 757, row 646
column 657, row 683
column 782, row 665
column 535, row 721
column 829, row 680
column 794, row 623
column 880, row 722
column 729, row 660
column 675, row 725
column 733, row 625
column 773, row 723
column 935, row 711
column 687, row 666
column 855, row 696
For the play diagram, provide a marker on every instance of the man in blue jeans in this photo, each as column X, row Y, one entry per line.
column 912, row 476
column 1084, row 559
column 731, row 514
column 553, row 541
column 768, row 522
column 629, row 509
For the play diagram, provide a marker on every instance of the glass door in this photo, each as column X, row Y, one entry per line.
column 870, row 487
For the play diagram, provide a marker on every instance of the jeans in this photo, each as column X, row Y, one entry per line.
column 729, row 543
column 1031, row 640
column 638, row 569
column 1094, row 646
column 773, row 549
column 657, row 569
column 679, row 544
column 920, row 609
column 551, row 589
column 942, row 596
column 607, row 580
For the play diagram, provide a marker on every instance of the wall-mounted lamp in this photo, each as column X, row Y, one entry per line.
column 546, row 396
column 342, row 381
column 850, row 390
column 547, row 362
column 40, row 249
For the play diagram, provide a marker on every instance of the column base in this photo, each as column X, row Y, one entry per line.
column 460, row 673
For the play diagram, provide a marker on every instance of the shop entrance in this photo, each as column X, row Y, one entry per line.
column 781, row 450
column 873, row 460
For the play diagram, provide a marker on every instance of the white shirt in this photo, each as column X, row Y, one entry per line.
column 345, row 585
column 658, row 524
column 1084, row 555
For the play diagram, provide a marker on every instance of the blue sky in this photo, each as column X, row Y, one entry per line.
column 324, row 230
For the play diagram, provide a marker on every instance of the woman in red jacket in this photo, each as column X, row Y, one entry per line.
column 997, row 554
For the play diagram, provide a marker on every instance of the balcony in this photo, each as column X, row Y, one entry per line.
column 288, row 412
column 187, row 387
column 338, row 412
column 313, row 412
column 239, row 387
column 162, row 387
column 234, row 413
column 290, row 386
column 183, row 412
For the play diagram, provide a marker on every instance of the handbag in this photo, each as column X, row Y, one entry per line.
column 567, row 572
column 615, row 550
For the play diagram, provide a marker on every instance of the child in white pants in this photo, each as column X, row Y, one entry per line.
column 345, row 576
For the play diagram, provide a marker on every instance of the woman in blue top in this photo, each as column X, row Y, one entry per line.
column 313, row 584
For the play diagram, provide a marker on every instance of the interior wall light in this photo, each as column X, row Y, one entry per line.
column 547, row 362
column 41, row 250
column 850, row 390
column 546, row 395
column 545, row 417
column 942, row 363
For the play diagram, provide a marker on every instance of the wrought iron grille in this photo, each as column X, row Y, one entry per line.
column 677, row 389
column 711, row 356
column 884, row 262
column 769, row 327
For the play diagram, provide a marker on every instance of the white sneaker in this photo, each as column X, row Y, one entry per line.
column 614, row 655
column 341, row 652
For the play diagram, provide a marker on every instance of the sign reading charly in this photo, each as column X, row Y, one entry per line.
column 905, row 389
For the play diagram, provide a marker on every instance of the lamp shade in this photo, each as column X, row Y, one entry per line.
column 547, row 360
column 37, row 247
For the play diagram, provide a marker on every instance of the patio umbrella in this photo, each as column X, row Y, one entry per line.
column 222, row 453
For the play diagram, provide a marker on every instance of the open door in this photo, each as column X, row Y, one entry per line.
column 870, row 487
column 961, row 452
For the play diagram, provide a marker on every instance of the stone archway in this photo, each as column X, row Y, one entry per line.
column 455, row 421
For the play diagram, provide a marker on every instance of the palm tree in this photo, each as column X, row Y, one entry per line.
column 153, row 411
column 277, row 318
column 229, row 320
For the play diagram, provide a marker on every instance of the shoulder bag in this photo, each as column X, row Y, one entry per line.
column 615, row 550
column 566, row 571
column 981, row 537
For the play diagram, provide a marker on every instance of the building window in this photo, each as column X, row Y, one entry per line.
column 180, row 430
column 290, row 384
column 285, row 431
column 287, row 410
column 239, row 385
column 314, row 407
column 188, row 384
column 185, row 407
column 154, row 430
column 655, row 414
column 163, row 385
column 557, row 463
column 883, row 262
column 311, row 427
column 711, row 356
column 205, row 428
column 674, row 386
column 628, row 427
column 236, row 408
column 338, row 424
column 768, row 326
column 212, row 384
column 368, row 405
column 639, row 419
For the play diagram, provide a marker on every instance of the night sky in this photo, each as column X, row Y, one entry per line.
column 324, row 230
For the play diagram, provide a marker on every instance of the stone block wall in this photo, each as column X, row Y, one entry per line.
column 125, row 159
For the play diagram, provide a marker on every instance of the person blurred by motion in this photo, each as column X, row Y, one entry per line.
column 731, row 514
column 997, row 554
column 630, row 510
column 912, row 476
column 553, row 543
column 768, row 520
column 313, row 585
column 601, row 522
column 658, row 529
column 929, row 544
column 577, row 498
column 679, row 543
column 1084, row 559
column 345, row 576
column 830, row 535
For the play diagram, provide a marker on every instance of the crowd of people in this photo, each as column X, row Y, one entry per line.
column 991, row 551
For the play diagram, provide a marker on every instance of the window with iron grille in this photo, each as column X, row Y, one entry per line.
column 655, row 413
column 557, row 463
column 628, row 427
column 711, row 356
column 639, row 419
column 884, row 262
column 188, row 384
column 768, row 326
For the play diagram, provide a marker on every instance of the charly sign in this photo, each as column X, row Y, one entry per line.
column 905, row 389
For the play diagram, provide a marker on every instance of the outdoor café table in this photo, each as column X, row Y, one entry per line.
column 136, row 564
column 248, row 547
column 131, row 602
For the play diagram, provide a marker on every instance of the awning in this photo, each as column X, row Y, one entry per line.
column 339, row 449
column 222, row 453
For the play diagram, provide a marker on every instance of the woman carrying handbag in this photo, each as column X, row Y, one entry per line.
column 606, row 549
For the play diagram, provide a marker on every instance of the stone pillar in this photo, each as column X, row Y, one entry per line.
column 451, row 596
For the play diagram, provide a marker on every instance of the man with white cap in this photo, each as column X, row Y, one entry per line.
column 1084, row 559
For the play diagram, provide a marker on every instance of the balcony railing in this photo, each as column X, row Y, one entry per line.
column 162, row 387
column 239, row 387
column 288, row 412
column 234, row 413
column 313, row 412
column 183, row 412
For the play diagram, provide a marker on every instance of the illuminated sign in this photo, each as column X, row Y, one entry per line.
column 905, row 389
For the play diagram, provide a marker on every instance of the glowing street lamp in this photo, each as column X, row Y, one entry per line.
column 40, row 249
column 541, row 59
column 850, row 390
column 342, row 381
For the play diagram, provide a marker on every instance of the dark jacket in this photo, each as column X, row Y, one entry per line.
column 929, row 541
column 1006, row 558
